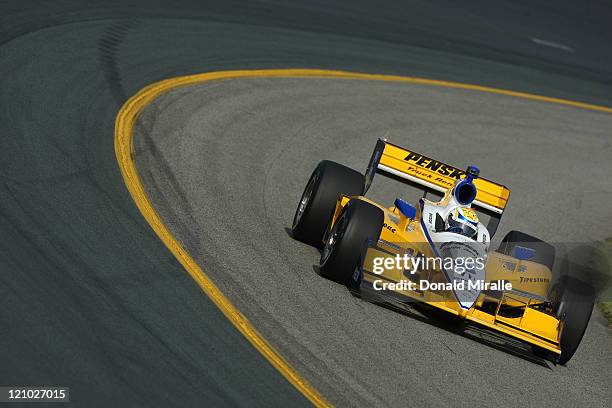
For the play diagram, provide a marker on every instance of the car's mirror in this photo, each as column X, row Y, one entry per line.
column 405, row 208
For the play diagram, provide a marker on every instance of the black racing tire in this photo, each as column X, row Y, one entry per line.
column 544, row 252
column 358, row 223
column 575, row 308
column 328, row 181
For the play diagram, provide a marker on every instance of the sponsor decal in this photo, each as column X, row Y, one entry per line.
column 356, row 275
column 389, row 244
column 389, row 227
column 432, row 165
column 526, row 279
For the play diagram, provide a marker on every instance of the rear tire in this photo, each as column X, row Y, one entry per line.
column 358, row 223
column 328, row 181
column 544, row 252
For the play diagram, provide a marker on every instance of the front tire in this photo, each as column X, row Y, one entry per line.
column 575, row 308
column 358, row 223
column 328, row 181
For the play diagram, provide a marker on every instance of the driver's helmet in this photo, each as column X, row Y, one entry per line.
column 462, row 221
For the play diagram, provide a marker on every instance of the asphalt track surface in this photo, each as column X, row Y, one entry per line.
column 91, row 299
column 225, row 163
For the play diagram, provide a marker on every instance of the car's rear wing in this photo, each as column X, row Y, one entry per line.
column 432, row 175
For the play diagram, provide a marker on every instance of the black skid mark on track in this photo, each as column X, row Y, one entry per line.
column 108, row 47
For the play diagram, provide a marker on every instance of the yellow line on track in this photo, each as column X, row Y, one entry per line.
column 124, row 125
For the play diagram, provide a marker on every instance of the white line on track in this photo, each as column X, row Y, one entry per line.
column 552, row 44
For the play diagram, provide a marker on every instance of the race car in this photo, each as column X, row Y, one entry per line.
column 386, row 251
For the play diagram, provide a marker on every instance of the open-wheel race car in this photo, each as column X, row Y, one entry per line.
column 386, row 250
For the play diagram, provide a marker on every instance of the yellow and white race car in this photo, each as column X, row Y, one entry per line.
column 438, row 253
